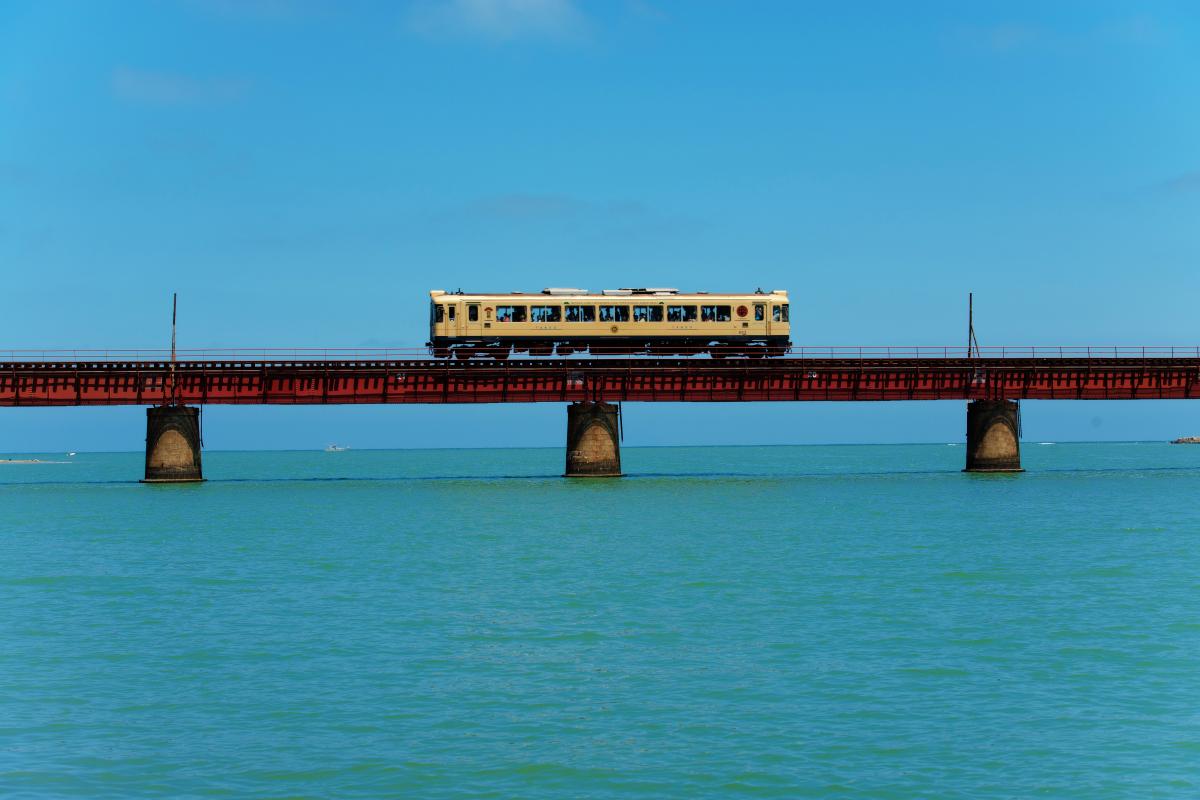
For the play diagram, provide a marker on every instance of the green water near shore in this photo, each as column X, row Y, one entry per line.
column 863, row 622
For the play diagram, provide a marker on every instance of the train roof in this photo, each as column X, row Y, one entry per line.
column 561, row 294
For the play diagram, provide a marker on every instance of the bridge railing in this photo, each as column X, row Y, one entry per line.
column 814, row 352
column 267, row 354
column 877, row 352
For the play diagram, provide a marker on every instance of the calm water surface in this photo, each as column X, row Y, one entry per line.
column 858, row 622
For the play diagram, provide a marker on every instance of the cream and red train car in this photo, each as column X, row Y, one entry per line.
column 615, row 321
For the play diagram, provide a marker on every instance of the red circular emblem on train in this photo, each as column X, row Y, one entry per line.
column 743, row 311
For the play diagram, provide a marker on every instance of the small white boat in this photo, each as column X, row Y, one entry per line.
column 336, row 448
column 71, row 453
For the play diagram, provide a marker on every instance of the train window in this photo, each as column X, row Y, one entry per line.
column 473, row 313
column 760, row 312
column 545, row 313
column 715, row 313
column 581, row 313
column 681, row 313
column 647, row 313
column 614, row 313
column 785, row 312
column 439, row 313
column 510, row 313
column 780, row 313
column 450, row 313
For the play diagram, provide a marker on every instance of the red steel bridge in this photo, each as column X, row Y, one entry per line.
column 992, row 379
column 83, row 378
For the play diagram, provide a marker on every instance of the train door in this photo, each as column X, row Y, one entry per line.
column 762, row 318
column 472, row 326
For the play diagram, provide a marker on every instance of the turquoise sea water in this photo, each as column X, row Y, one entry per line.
column 858, row 622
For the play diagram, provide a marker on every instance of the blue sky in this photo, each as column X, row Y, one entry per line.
column 303, row 172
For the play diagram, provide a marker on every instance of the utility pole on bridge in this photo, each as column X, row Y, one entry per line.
column 172, row 430
column 993, row 426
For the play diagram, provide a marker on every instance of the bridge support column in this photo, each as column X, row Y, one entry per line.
column 172, row 445
column 993, row 436
column 593, row 441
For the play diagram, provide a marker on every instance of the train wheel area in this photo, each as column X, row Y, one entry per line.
column 500, row 351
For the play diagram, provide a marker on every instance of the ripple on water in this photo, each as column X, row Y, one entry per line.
column 774, row 622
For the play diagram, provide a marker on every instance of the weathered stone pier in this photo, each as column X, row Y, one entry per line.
column 173, row 445
column 593, row 440
column 993, row 436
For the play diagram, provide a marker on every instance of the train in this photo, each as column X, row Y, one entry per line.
column 650, row 321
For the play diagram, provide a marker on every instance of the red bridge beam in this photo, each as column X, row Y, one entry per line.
column 601, row 380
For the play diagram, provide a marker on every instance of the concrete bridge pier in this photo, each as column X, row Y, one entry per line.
column 993, row 436
column 593, row 441
column 173, row 445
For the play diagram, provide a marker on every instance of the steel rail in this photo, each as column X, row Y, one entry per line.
column 801, row 352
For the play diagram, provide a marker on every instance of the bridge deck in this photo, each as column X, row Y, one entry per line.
column 291, row 382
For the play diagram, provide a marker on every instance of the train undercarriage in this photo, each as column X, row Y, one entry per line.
column 500, row 349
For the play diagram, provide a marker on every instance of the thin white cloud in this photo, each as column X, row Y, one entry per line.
column 527, row 206
column 1135, row 31
column 497, row 20
column 13, row 173
column 163, row 88
column 1183, row 184
column 1001, row 38
column 537, row 207
column 542, row 213
column 260, row 10
column 1012, row 37
column 1009, row 37
column 645, row 9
